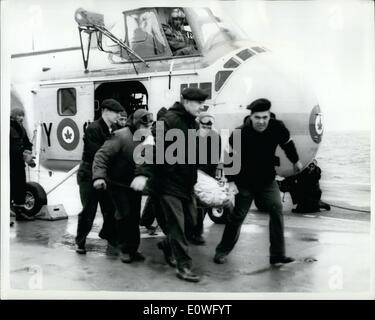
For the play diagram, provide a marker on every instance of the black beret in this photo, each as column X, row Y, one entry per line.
column 259, row 105
column 112, row 104
column 194, row 94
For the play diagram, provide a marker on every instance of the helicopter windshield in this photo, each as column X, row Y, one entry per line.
column 211, row 30
column 143, row 33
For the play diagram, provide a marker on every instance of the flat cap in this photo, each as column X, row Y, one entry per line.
column 112, row 104
column 142, row 116
column 194, row 94
column 259, row 105
column 123, row 113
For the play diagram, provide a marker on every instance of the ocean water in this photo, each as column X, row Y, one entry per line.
column 344, row 158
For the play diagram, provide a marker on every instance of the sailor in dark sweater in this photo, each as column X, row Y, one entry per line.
column 114, row 165
column 260, row 135
column 95, row 136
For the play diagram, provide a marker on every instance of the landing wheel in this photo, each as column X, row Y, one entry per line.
column 35, row 198
column 218, row 215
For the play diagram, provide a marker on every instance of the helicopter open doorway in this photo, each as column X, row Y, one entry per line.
column 132, row 95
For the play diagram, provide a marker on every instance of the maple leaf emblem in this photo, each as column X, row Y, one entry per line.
column 68, row 135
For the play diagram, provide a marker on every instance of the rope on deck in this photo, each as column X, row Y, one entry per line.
column 350, row 209
column 336, row 206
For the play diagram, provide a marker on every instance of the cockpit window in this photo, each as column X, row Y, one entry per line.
column 143, row 33
column 211, row 29
column 173, row 31
column 178, row 32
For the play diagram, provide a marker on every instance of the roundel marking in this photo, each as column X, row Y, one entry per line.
column 316, row 124
column 68, row 134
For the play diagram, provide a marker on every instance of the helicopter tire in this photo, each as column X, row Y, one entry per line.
column 218, row 215
column 35, row 198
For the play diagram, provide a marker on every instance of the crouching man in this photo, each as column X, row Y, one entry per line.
column 114, row 168
column 260, row 135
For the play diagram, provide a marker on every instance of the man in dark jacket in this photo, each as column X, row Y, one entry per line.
column 307, row 190
column 260, row 135
column 174, row 182
column 19, row 153
column 114, row 165
column 96, row 134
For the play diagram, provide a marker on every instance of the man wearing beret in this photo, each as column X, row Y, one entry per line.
column 173, row 183
column 114, row 166
column 260, row 135
column 95, row 135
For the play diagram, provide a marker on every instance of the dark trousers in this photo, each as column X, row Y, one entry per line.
column 309, row 199
column 148, row 213
column 90, row 197
column 128, row 206
column 152, row 211
column 180, row 217
column 17, row 182
column 198, row 229
column 269, row 196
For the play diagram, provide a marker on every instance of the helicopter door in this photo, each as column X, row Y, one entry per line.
column 65, row 111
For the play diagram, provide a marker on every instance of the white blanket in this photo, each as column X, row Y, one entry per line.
column 210, row 192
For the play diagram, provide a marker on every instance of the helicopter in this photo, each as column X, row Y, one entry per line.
column 140, row 70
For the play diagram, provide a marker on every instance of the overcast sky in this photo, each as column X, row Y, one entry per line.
column 331, row 42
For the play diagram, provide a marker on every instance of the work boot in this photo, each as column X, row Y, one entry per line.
column 325, row 206
column 80, row 249
column 126, row 257
column 137, row 256
column 187, row 275
column 220, row 258
column 280, row 260
column 168, row 256
column 198, row 240
column 111, row 249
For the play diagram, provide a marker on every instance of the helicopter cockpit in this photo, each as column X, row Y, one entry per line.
column 149, row 33
column 146, row 31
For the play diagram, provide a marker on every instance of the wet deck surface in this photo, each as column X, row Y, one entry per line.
column 332, row 256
